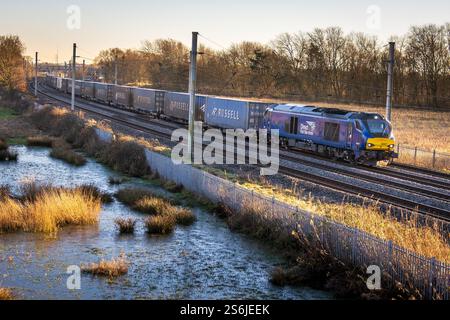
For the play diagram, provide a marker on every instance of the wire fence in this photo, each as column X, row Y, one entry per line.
column 423, row 158
column 428, row 276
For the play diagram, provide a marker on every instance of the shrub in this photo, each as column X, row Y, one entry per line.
column 160, row 225
column 40, row 141
column 126, row 156
column 47, row 209
column 112, row 269
column 62, row 150
column 152, row 205
column 125, row 226
column 92, row 190
column 184, row 217
column 130, row 196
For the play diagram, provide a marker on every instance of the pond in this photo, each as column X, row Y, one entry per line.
column 203, row 261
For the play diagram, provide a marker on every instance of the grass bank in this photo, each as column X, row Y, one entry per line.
column 46, row 209
column 408, row 233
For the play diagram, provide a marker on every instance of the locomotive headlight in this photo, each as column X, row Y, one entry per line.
column 370, row 145
column 391, row 146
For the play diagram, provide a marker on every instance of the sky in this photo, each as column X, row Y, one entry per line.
column 51, row 27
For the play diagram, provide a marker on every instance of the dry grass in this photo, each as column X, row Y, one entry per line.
column 185, row 217
column 126, row 156
column 48, row 210
column 111, row 269
column 161, row 225
column 153, row 206
column 6, row 294
column 5, row 192
column 130, row 196
column 427, row 241
column 125, row 226
column 165, row 215
column 92, row 190
column 40, row 141
column 62, row 150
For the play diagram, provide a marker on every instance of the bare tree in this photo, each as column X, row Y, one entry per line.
column 429, row 58
column 12, row 66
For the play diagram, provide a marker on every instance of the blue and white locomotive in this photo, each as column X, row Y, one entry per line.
column 365, row 138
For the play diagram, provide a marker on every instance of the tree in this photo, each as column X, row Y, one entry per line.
column 12, row 63
column 428, row 55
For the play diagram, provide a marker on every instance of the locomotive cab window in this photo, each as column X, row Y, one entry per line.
column 331, row 131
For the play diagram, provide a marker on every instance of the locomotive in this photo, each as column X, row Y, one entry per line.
column 363, row 138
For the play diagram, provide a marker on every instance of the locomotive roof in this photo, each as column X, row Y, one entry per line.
column 314, row 110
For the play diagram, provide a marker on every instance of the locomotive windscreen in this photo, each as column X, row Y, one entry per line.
column 379, row 128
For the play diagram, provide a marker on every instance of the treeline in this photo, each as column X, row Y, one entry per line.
column 324, row 64
column 14, row 67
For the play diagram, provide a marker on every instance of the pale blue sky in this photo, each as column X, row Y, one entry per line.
column 126, row 23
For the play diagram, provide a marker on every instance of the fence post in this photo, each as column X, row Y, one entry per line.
column 398, row 150
column 415, row 155
column 431, row 278
column 434, row 158
column 235, row 196
column 354, row 242
column 273, row 206
column 391, row 258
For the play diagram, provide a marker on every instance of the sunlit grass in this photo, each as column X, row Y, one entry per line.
column 49, row 210
column 125, row 226
column 6, row 294
column 111, row 269
column 427, row 241
column 160, row 225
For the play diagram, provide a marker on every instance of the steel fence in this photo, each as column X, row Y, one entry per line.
column 350, row 245
column 423, row 158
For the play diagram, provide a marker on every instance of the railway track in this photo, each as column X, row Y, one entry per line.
column 394, row 201
column 124, row 118
column 429, row 180
column 366, row 177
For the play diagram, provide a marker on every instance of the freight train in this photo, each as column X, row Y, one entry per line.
column 363, row 138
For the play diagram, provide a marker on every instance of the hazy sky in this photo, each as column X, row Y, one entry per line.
column 42, row 25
